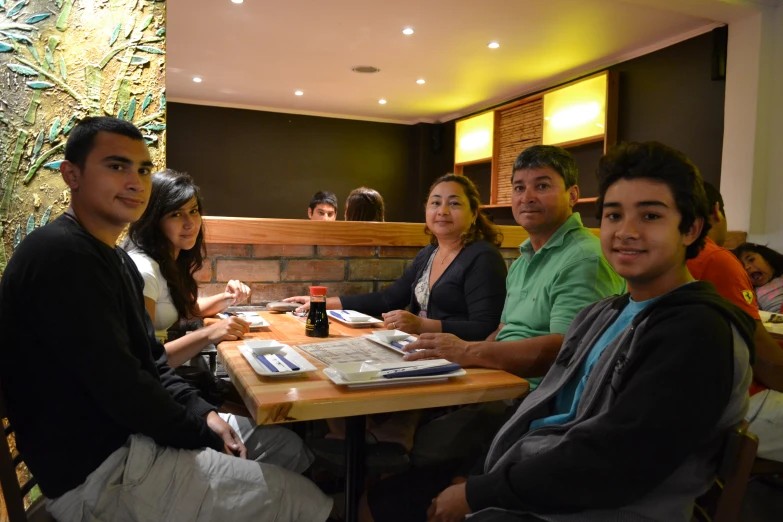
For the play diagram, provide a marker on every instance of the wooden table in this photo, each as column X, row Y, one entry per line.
column 312, row 396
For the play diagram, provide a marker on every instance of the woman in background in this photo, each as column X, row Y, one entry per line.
column 765, row 268
column 456, row 285
column 364, row 204
column 167, row 245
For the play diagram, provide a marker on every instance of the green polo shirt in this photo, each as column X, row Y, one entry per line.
column 546, row 289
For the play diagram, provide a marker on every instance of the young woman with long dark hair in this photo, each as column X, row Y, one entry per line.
column 167, row 246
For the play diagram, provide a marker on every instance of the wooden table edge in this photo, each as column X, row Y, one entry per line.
column 334, row 407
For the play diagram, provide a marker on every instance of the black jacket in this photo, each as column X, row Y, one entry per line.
column 468, row 298
column 650, row 421
column 80, row 367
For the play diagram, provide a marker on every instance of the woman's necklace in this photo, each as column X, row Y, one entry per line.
column 445, row 257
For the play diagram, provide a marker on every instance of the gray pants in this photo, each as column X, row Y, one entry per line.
column 145, row 482
column 271, row 444
column 765, row 416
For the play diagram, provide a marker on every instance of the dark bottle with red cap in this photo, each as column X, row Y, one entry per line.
column 317, row 324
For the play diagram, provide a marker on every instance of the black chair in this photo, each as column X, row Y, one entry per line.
column 723, row 502
column 13, row 492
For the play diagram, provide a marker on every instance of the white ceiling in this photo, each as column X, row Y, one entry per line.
column 256, row 54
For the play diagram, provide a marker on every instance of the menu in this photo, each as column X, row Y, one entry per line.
column 350, row 350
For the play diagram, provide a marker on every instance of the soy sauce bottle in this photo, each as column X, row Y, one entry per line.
column 317, row 324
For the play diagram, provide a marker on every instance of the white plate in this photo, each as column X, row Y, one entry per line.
column 255, row 320
column 263, row 346
column 338, row 315
column 338, row 379
column 356, row 371
column 289, row 353
column 390, row 346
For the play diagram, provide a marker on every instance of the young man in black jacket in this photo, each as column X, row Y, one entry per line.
column 103, row 422
column 627, row 424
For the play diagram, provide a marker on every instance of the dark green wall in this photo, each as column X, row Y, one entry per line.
column 266, row 164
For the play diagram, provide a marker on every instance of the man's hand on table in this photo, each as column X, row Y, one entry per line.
column 304, row 300
column 229, row 329
column 233, row 443
column 438, row 346
column 450, row 506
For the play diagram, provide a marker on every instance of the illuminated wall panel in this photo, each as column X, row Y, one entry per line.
column 576, row 112
column 474, row 138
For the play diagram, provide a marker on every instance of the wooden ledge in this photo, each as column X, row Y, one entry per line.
column 262, row 231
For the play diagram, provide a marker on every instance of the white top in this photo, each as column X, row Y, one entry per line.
column 422, row 289
column 156, row 288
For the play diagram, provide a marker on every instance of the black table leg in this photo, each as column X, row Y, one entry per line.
column 354, row 465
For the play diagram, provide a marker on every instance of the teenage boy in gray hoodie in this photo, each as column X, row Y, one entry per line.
column 627, row 424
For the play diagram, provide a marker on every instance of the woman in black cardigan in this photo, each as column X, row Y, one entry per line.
column 457, row 284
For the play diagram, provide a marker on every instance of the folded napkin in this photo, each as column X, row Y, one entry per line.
column 350, row 316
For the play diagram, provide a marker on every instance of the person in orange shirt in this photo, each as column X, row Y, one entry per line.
column 721, row 268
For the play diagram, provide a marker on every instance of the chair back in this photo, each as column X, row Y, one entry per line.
column 13, row 492
column 767, row 468
column 723, row 502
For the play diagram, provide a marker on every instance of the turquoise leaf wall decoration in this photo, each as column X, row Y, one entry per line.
column 37, row 18
column 45, row 218
column 54, row 130
column 54, row 165
column 115, row 34
column 15, row 9
column 40, row 85
column 22, row 69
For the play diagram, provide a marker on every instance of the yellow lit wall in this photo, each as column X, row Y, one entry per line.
column 474, row 138
column 575, row 112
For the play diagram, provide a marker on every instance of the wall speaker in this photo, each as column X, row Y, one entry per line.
column 720, row 49
column 436, row 137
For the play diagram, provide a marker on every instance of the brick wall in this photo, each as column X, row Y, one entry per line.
column 278, row 271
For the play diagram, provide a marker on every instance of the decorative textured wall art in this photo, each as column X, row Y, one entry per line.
column 60, row 61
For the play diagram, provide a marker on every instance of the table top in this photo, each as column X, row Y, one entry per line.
column 312, row 395
column 775, row 329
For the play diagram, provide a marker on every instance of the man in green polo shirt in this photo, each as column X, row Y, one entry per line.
column 561, row 270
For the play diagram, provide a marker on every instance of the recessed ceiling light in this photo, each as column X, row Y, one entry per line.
column 197, row 79
column 237, row 1
column 382, row 101
column 493, row 45
column 298, row 93
column 421, row 81
column 407, row 31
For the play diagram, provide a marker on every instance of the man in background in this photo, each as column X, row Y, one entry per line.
column 323, row 206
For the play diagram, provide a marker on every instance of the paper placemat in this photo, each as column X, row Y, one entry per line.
column 350, row 350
